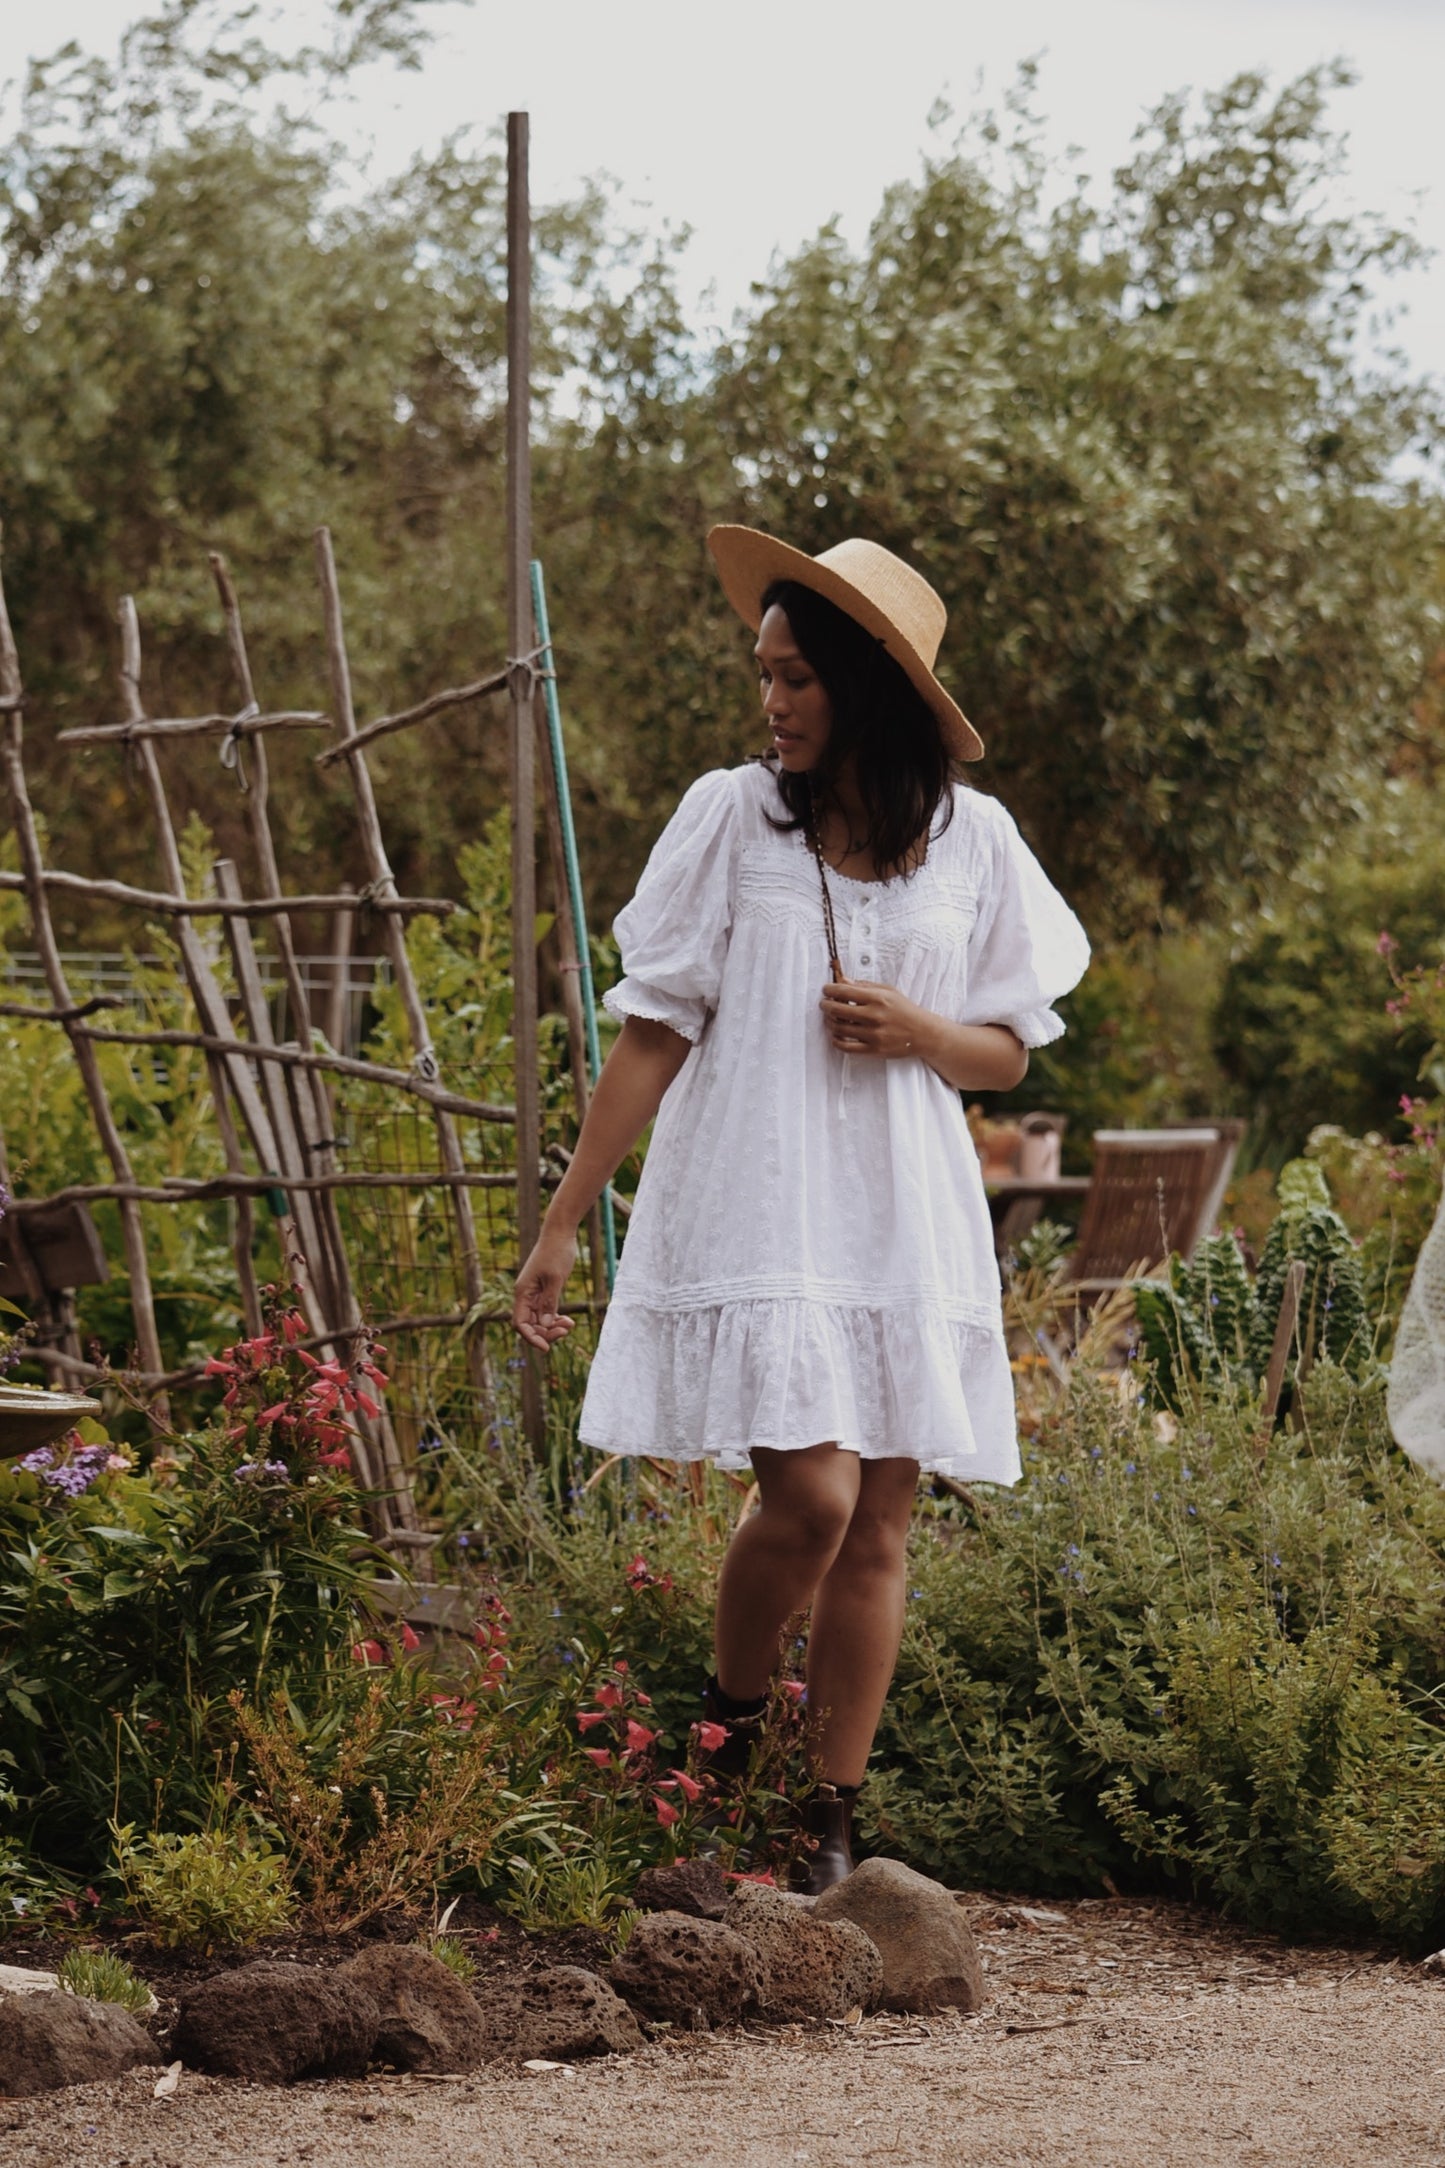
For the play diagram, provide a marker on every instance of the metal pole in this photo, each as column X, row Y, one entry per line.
column 574, row 878
column 520, row 643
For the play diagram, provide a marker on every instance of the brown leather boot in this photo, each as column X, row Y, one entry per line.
column 828, row 1820
column 727, row 1761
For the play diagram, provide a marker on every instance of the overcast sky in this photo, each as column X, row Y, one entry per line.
column 755, row 121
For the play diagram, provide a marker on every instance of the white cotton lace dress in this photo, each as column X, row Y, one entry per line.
column 810, row 1258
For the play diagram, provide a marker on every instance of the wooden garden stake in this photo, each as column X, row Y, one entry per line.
column 318, row 1127
column 290, row 1160
column 382, row 882
column 521, row 677
column 1284, row 1335
column 338, row 994
column 234, row 1073
column 148, row 1346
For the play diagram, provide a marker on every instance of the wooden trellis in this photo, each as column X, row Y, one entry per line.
column 273, row 1102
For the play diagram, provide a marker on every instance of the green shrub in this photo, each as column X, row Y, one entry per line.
column 1163, row 1660
column 133, row 1602
column 454, row 1955
column 101, row 1976
column 1139, row 1047
column 1302, row 1027
column 204, row 1887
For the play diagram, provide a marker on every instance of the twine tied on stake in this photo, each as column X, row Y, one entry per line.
column 532, row 666
column 231, row 752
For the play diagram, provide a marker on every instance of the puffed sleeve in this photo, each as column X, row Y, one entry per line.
column 674, row 933
column 1027, row 948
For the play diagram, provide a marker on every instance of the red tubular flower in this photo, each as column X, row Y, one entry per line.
column 293, row 1324
column 794, row 1689
column 368, row 1652
column 216, row 1368
column 665, row 1814
column 586, row 1718
column 340, row 1458
column 367, row 1406
column 710, row 1736
column 410, row 1640
column 639, row 1738
column 610, row 1697
column 691, row 1789
column 600, row 1754
column 278, row 1414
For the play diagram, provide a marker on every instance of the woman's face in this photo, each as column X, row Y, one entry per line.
column 799, row 712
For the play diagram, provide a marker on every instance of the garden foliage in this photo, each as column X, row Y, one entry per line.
column 1132, row 435
column 1209, row 1322
column 1307, row 1028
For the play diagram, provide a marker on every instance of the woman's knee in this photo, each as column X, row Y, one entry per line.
column 809, row 1504
column 875, row 1543
column 877, row 1535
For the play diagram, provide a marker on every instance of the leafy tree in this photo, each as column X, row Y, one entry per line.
column 1304, row 1024
column 203, row 344
column 1137, row 447
column 1139, row 451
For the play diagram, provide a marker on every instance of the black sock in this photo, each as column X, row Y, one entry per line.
column 729, row 1707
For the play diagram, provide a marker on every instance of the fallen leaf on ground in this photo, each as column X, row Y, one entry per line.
column 167, row 2082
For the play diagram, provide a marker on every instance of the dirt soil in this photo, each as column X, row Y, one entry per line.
column 1117, row 2034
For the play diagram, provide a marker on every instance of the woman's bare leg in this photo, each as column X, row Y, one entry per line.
column 778, row 1557
column 858, row 1619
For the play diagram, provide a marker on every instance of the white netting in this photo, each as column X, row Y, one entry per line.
column 1417, row 1374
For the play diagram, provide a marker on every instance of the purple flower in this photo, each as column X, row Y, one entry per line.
column 72, row 1477
column 262, row 1471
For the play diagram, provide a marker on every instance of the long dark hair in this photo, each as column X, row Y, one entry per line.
column 880, row 720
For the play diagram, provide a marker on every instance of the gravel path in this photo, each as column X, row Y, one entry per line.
column 1117, row 2035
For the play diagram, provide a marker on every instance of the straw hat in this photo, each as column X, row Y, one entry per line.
column 886, row 596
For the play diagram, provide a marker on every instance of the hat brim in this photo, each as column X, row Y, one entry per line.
column 748, row 562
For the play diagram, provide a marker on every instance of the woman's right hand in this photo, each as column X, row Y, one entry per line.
column 540, row 1282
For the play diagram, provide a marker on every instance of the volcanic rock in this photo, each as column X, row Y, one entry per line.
column 428, row 2020
column 681, row 1969
column 552, row 2016
column 811, row 1967
column 694, row 1886
column 275, row 2022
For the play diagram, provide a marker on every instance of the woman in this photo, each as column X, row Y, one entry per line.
column 826, row 947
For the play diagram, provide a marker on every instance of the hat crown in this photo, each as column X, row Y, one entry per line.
column 894, row 588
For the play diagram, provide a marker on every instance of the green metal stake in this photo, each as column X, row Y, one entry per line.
column 574, row 879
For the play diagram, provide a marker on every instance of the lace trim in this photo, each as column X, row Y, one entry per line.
column 1036, row 1027
column 631, row 998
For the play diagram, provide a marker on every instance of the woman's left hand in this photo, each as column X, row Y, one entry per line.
column 863, row 1018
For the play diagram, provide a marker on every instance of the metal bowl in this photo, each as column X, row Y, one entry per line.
column 30, row 1417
